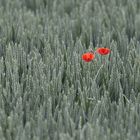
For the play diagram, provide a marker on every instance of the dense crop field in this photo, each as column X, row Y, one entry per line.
column 47, row 92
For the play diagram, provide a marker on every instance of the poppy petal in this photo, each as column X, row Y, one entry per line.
column 103, row 51
column 87, row 57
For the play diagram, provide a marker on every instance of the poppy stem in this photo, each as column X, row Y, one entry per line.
column 98, row 72
column 91, row 50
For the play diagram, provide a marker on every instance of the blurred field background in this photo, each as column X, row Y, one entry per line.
column 47, row 92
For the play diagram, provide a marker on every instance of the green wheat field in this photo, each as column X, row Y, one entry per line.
column 47, row 92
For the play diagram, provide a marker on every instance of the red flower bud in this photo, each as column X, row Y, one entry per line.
column 87, row 57
column 103, row 51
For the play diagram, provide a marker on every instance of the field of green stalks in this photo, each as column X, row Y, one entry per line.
column 47, row 92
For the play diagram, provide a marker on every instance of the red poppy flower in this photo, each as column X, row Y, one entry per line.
column 103, row 51
column 88, row 56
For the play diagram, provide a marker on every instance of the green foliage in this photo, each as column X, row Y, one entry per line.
column 47, row 92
